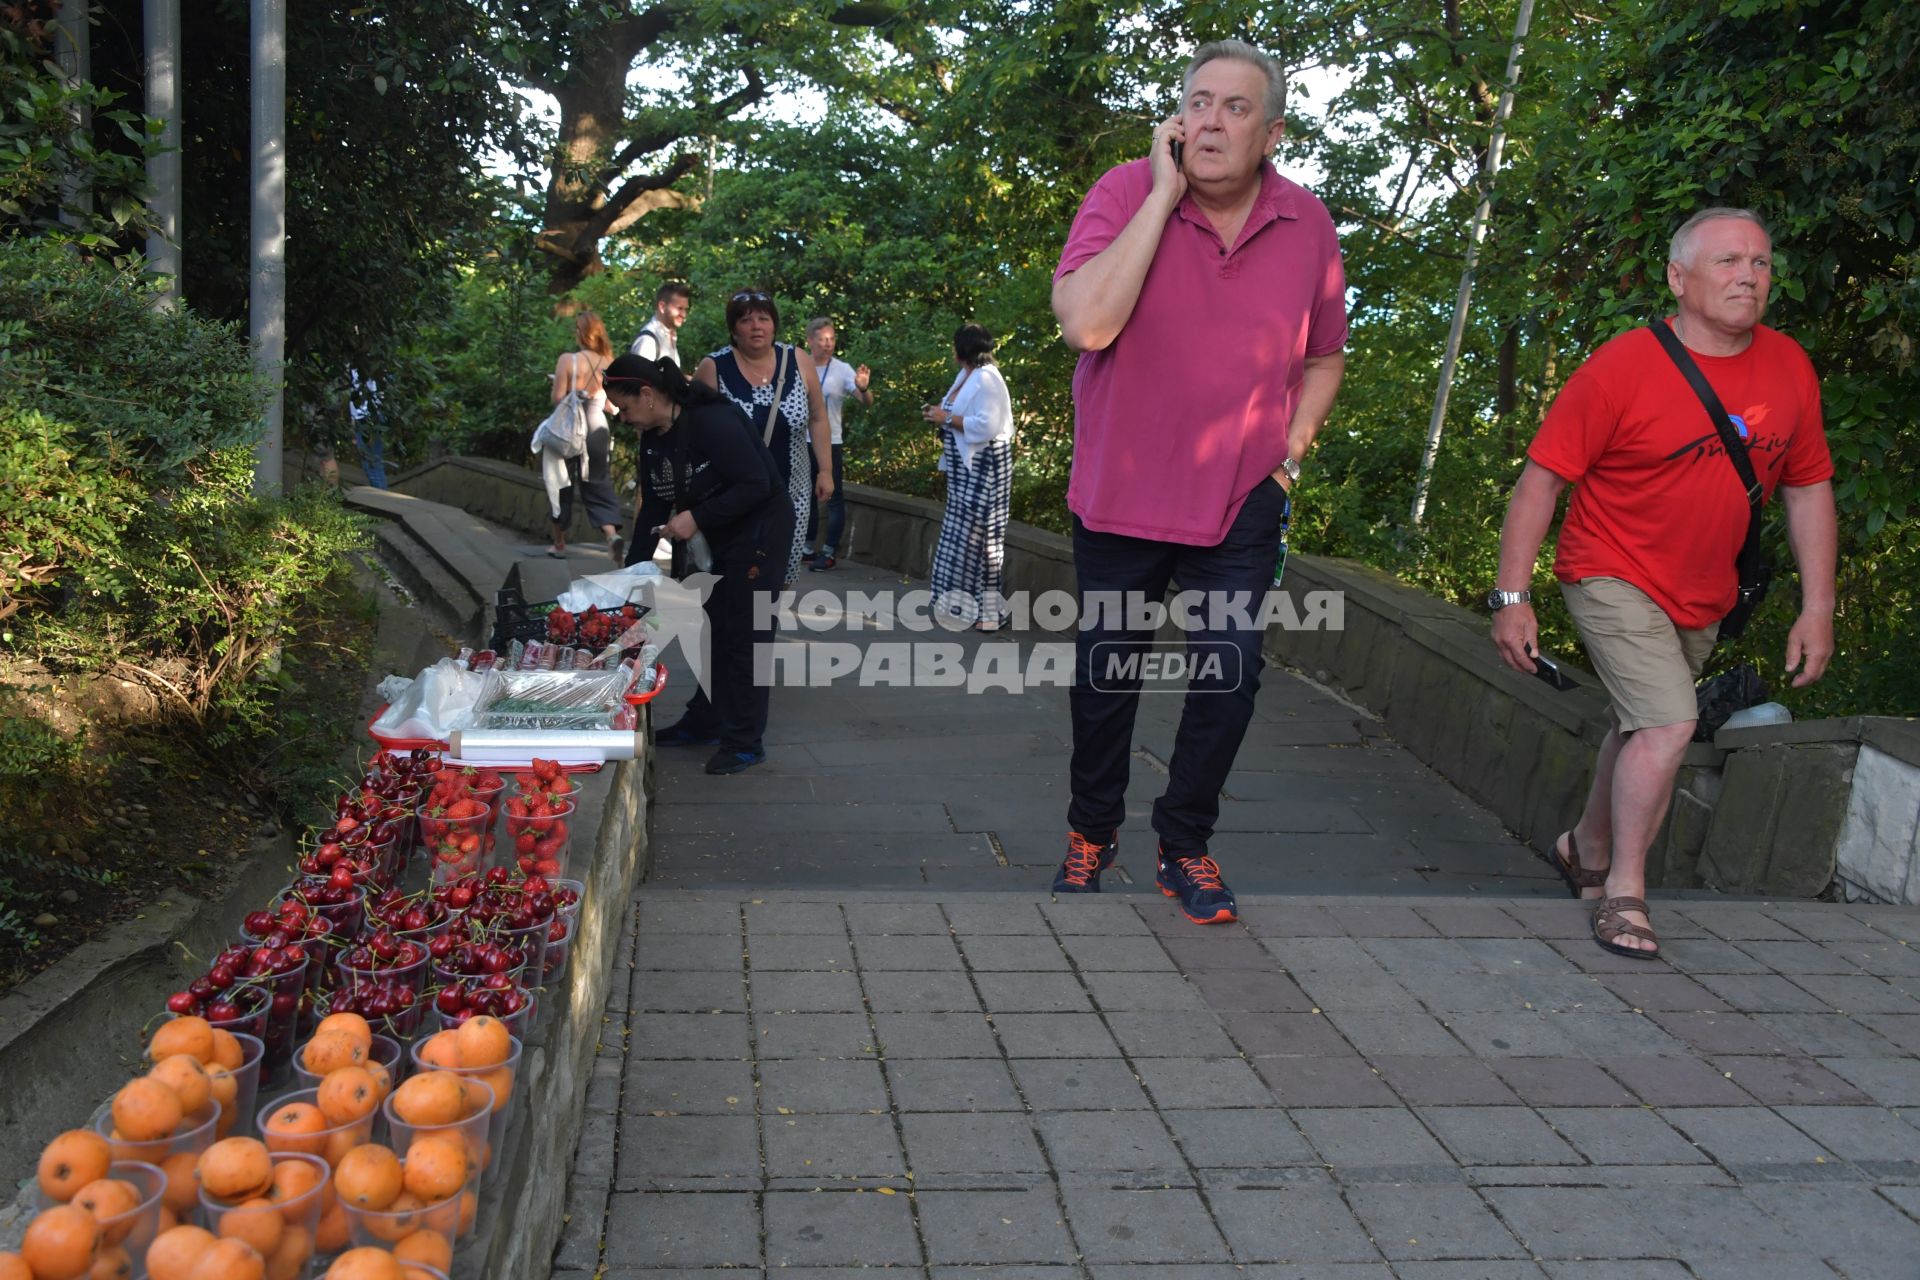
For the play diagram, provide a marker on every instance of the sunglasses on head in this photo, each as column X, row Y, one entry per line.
column 752, row 295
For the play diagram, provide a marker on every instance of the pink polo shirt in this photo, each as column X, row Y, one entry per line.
column 1187, row 409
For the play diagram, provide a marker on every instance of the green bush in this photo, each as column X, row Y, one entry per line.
column 45, row 156
column 58, row 502
column 130, row 538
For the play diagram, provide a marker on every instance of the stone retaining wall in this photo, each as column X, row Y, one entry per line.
column 1774, row 810
column 498, row 492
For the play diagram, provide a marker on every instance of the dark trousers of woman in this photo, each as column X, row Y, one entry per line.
column 836, row 509
column 737, row 711
column 1219, row 703
column 593, row 477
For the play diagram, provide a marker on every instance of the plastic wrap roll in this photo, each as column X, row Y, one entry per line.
column 569, row 746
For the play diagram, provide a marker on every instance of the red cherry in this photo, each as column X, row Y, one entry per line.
column 182, row 1003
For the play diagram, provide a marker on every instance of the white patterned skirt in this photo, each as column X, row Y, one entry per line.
column 968, row 561
column 800, row 494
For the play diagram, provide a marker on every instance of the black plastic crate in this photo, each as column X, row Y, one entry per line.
column 520, row 622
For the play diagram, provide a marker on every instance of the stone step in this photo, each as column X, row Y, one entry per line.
column 446, row 600
column 471, row 549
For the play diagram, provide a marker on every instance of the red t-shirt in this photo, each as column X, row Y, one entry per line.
column 1655, row 502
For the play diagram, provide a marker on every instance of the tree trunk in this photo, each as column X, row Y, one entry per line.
column 592, row 117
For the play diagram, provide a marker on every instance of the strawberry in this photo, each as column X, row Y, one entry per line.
column 524, row 842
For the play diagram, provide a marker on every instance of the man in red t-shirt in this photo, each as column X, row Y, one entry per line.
column 1647, row 551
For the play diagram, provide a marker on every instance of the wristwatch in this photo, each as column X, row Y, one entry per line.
column 1498, row 599
column 1292, row 467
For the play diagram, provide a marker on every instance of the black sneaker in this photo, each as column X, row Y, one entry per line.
column 821, row 563
column 725, row 761
column 1204, row 896
column 1080, row 873
column 678, row 735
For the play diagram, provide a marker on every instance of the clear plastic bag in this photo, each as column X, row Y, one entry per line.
column 551, row 700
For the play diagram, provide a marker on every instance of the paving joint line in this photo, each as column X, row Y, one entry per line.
column 620, row 1104
column 753, row 1066
column 886, row 1083
column 1027, row 1108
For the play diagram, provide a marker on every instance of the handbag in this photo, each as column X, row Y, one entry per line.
column 1751, row 569
column 564, row 431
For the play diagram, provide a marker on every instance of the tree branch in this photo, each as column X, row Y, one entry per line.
column 620, row 212
column 748, row 94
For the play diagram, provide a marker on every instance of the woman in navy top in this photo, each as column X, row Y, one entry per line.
column 753, row 371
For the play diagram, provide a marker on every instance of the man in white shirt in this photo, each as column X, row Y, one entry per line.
column 659, row 337
column 838, row 381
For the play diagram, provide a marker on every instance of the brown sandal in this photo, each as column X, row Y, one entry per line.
column 1576, row 876
column 1609, row 925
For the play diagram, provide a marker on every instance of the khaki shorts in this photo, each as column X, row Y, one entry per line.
column 1647, row 663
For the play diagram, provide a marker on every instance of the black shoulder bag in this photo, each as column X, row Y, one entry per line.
column 1750, row 566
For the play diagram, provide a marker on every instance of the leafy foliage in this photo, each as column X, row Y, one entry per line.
column 54, row 176
column 148, row 555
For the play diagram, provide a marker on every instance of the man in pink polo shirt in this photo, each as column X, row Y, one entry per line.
column 1205, row 295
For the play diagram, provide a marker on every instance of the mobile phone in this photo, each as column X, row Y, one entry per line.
column 1548, row 672
column 1179, row 149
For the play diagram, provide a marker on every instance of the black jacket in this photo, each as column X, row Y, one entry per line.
column 733, row 488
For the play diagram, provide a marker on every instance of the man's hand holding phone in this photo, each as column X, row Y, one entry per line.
column 1169, row 144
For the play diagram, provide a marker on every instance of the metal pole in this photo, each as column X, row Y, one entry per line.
column 267, row 286
column 162, row 20
column 73, row 50
column 1481, row 213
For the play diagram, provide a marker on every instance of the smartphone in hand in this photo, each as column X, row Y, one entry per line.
column 1179, row 149
column 1548, row 672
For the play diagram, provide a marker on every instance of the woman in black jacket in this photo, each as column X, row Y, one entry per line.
column 703, row 471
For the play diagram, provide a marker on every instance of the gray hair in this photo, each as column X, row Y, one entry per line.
column 1681, row 250
column 818, row 323
column 1241, row 51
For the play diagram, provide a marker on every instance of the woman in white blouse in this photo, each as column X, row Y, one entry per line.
column 976, row 419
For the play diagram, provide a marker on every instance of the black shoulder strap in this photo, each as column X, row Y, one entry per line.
column 1729, row 436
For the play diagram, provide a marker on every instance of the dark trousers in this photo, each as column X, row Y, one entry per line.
column 747, row 586
column 737, row 711
column 836, row 509
column 1219, row 704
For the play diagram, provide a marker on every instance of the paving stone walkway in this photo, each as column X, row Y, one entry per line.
column 962, row 1085
column 956, row 791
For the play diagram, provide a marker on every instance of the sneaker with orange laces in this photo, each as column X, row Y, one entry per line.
column 1080, row 873
column 1204, row 896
